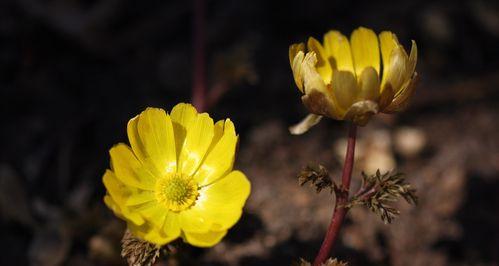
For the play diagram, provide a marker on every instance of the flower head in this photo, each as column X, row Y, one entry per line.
column 176, row 178
column 353, row 80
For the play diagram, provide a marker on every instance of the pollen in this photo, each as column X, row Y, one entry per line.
column 177, row 192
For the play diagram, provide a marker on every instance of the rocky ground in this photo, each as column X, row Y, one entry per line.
column 73, row 73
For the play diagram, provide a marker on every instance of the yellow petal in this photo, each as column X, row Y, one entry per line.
column 129, row 170
column 385, row 98
column 365, row 50
column 194, row 220
column 296, row 66
column 413, row 58
column 152, row 234
column 152, row 212
column 402, row 96
column 171, row 226
column 152, row 140
column 311, row 78
column 345, row 88
column 198, row 139
column 134, row 138
column 369, row 85
column 123, row 195
column 396, row 72
column 293, row 51
column 323, row 67
column 116, row 189
column 401, row 101
column 221, row 203
column 183, row 116
column 140, row 197
column 304, row 125
column 319, row 98
column 113, row 206
column 218, row 132
column 220, row 159
column 122, row 211
column 338, row 48
column 204, row 240
column 388, row 41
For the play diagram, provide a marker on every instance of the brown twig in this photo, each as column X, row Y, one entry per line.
column 199, row 75
column 341, row 200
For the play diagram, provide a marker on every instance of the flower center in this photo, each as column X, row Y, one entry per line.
column 176, row 192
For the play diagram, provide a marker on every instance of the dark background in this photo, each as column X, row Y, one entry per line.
column 73, row 72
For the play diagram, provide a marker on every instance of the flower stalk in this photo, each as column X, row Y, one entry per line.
column 342, row 197
column 199, row 73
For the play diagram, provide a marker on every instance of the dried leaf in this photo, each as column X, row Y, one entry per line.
column 318, row 176
column 138, row 252
column 378, row 190
column 329, row 262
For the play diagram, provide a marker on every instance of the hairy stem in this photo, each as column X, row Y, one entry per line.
column 199, row 74
column 341, row 200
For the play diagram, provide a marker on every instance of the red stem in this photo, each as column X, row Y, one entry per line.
column 341, row 200
column 199, row 75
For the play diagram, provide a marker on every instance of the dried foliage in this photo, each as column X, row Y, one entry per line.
column 378, row 190
column 329, row 262
column 138, row 252
column 318, row 176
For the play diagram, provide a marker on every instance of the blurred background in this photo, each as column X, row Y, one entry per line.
column 72, row 73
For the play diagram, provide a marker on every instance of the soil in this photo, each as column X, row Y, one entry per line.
column 73, row 72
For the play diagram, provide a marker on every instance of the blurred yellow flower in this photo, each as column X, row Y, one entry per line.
column 176, row 179
column 353, row 80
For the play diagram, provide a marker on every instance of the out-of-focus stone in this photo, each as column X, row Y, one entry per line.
column 101, row 248
column 378, row 154
column 409, row 141
column 50, row 246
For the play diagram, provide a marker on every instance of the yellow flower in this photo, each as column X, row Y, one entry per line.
column 353, row 80
column 176, row 179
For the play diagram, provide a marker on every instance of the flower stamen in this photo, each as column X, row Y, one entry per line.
column 177, row 192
